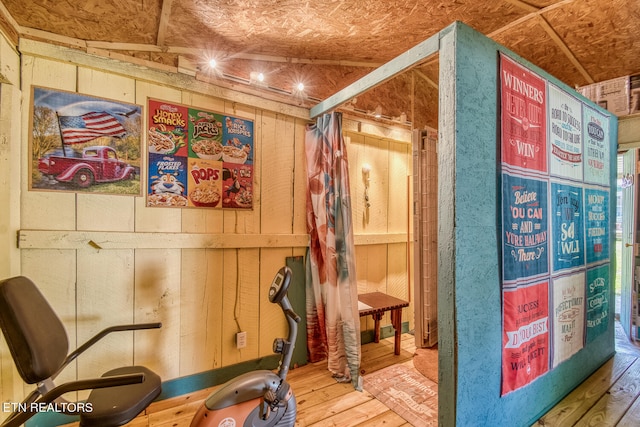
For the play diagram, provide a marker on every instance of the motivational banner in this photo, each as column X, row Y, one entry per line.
column 525, row 338
column 597, row 301
column 568, row 316
column 556, row 231
column 565, row 130
column 596, row 147
column 525, row 231
column 597, row 225
column 568, row 228
column 523, row 117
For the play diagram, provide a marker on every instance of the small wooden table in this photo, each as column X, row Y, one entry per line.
column 375, row 304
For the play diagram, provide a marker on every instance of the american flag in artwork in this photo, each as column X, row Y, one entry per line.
column 78, row 129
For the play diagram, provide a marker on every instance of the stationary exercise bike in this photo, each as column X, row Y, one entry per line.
column 258, row 398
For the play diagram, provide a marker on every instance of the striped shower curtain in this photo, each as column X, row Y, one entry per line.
column 333, row 324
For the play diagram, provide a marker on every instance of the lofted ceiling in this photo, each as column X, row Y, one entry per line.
column 329, row 44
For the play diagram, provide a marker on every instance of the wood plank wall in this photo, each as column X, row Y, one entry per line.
column 383, row 265
column 146, row 270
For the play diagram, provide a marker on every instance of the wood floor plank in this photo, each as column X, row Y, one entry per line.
column 322, row 395
column 177, row 416
column 613, row 405
column 386, row 419
column 353, row 416
column 317, row 413
column 575, row 404
column 632, row 417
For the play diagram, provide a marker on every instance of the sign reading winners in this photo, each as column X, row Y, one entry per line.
column 199, row 158
column 523, row 117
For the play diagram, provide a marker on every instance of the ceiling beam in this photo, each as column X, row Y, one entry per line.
column 523, row 5
column 196, row 52
column 424, row 77
column 564, row 48
column 533, row 14
column 164, row 22
column 135, row 47
column 403, row 62
column 32, row 33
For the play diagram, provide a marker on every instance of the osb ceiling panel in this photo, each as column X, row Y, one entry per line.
column 604, row 36
column 353, row 30
column 330, row 44
column 111, row 20
column 533, row 43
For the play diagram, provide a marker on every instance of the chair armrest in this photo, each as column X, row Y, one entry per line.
column 119, row 328
column 19, row 418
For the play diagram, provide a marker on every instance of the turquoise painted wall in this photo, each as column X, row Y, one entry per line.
column 469, row 294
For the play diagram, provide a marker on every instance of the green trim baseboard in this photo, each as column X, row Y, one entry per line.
column 202, row 380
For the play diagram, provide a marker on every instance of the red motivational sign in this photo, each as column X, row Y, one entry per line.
column 525, row 338
column 523, row 96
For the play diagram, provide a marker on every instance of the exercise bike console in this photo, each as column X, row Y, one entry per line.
column 259, row 398
column 280, row 285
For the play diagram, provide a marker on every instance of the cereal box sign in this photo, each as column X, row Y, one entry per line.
column 213, row 155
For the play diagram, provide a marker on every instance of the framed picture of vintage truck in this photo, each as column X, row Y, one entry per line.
column 81, row 143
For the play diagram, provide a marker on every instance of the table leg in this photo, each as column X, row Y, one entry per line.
column 376, row 329
column 396, row 321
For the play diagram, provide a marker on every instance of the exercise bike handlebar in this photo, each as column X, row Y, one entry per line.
column 278, row 295
column 289, row 344
column 288, row 309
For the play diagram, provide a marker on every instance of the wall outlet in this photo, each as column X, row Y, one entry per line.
column 241, row 340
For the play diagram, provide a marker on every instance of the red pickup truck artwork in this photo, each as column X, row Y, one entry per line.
column 97, row 164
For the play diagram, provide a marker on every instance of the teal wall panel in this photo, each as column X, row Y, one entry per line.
column 469, row 295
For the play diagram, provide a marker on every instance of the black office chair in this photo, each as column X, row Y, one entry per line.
column 39, row 345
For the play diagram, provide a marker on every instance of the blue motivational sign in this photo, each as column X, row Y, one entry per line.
column 597, row 224
column 567, row 225
column 598, row 285
column 525, row 237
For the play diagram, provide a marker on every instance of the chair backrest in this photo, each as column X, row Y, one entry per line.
column 35, row 335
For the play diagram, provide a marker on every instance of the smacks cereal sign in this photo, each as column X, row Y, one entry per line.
column 198, row 158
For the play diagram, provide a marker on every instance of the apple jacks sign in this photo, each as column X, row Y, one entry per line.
column 555, row 186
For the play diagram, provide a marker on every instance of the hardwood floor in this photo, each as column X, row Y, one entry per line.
column 610, row 397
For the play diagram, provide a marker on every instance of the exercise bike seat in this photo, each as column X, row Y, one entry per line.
column 39, row 346
column 112, row 404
